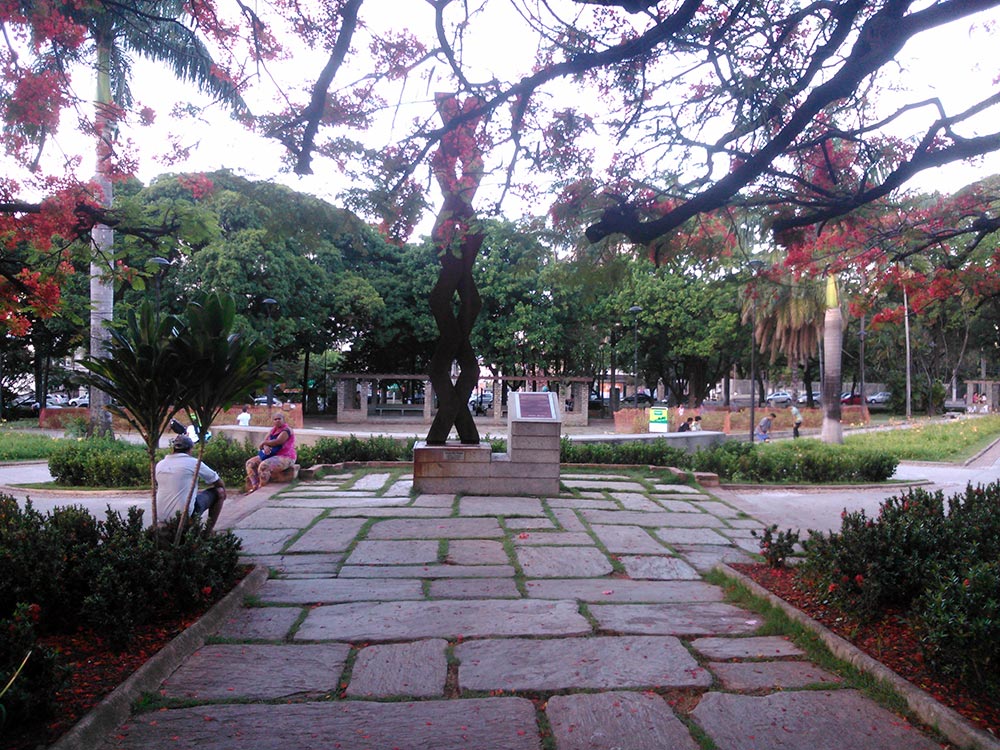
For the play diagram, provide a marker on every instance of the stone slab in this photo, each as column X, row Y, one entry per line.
column 416, row 669
column 444, row 528
column 443, row 618
column 770, row 675
column 476, row 552
column 599, row 483
column 706, row 557
column 500, row 506
column 679, row 503
column 623, row 590
column 647, row 520
column 335, row 590
column 598, row 721
column 518, row 524
column 620, row 662
column 690, row 536
column 754, row 647
column 563, row 562
column 226, row 671
column 434, row 501
column 500, row 723
column 635, row 501
column 813, row 719
column 474, row 588
column 657, row 568
column 554, row 539
column 396, row 552
column 399, row 488
column 709, row 618
column 315, row 564
column 583, row 502
column 329, row 535
column 259, row 623
column 278, row 518
column 568, row 519
column 627, row 539
column 382, row 512
column 427, row 571
column 264, row 541
column 371, row 482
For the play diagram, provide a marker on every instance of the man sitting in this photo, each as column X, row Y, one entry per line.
column 175, row 486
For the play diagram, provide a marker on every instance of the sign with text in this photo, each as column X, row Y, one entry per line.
column 659, row 419
column 535, row 406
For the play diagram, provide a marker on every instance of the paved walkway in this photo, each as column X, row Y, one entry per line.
column 396, row 620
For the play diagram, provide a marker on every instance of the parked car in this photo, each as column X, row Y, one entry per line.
column 481, row 402
column 80, row 401
column 817, row 397
column 21, row 407
column 641, row 400
column 850, row 399
column 779, row 398
column 262, row 401
column 882, row 397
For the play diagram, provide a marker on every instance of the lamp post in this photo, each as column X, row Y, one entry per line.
column 756, row 266
column 269, row 304
column 635, row 310
column 861, row 355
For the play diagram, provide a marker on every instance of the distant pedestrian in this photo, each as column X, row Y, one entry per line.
column 686, row 425
column 696, row 425
column 243, row 418
column 796, row 421
column 763, row 433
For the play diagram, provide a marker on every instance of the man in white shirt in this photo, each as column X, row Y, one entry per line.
column 243, row 418
column 174, row 474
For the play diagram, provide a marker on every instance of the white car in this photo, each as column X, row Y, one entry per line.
column 817, row 397
column 779, row 398
column 262, row 401
column 882, row 397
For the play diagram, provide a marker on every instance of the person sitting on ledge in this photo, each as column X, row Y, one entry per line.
column 277, row 453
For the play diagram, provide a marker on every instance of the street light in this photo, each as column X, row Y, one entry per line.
column 269, row 304
column 635, row 310
column 756, row 266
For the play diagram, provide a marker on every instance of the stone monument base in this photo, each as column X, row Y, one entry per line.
column 530, row 466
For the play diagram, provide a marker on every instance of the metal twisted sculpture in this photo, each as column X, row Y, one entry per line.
column 455, row 302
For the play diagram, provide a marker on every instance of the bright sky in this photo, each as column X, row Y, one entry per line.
column 954, row 63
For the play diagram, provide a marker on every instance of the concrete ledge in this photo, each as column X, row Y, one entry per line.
column 116, row 707
column 947, row 721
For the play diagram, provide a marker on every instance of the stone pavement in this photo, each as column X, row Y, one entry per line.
column 447, row 622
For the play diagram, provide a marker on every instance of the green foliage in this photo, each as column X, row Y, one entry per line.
column 959, row 617
column 100, row 462
column 22, row 446
column 228, row 458
column 936, row 561
column 776, row 547
column 67, row 570
column 798, row 461
column 353, row 448
column 929, row 441
column 29, row 676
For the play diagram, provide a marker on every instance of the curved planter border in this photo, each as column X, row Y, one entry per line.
column 116, row 707
column 955, row 727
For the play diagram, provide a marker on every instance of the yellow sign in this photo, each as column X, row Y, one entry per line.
column 659, row 419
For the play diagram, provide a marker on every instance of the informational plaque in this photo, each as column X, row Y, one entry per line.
column 659, row 419
column 535, row 406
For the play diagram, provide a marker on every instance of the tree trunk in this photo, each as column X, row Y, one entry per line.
column 833, row 334
column 102, row 293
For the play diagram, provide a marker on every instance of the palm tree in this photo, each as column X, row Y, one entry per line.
column 220, row 366
column 153, row 29
column 141, row 373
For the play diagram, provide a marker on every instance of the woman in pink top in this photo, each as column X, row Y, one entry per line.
column 277, row 453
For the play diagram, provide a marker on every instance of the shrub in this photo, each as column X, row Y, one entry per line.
column 875, row 564
column 228, row 457
column 637, row 452
column 776, row 547
column 36, row 677
column 959, row 620
column 31, row 558
column 100, row 462
column 339, row 450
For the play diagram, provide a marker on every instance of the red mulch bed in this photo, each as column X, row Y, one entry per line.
column 890, row 641
column 95, row 670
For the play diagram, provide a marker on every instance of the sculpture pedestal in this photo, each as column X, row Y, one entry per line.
column 530, row 466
